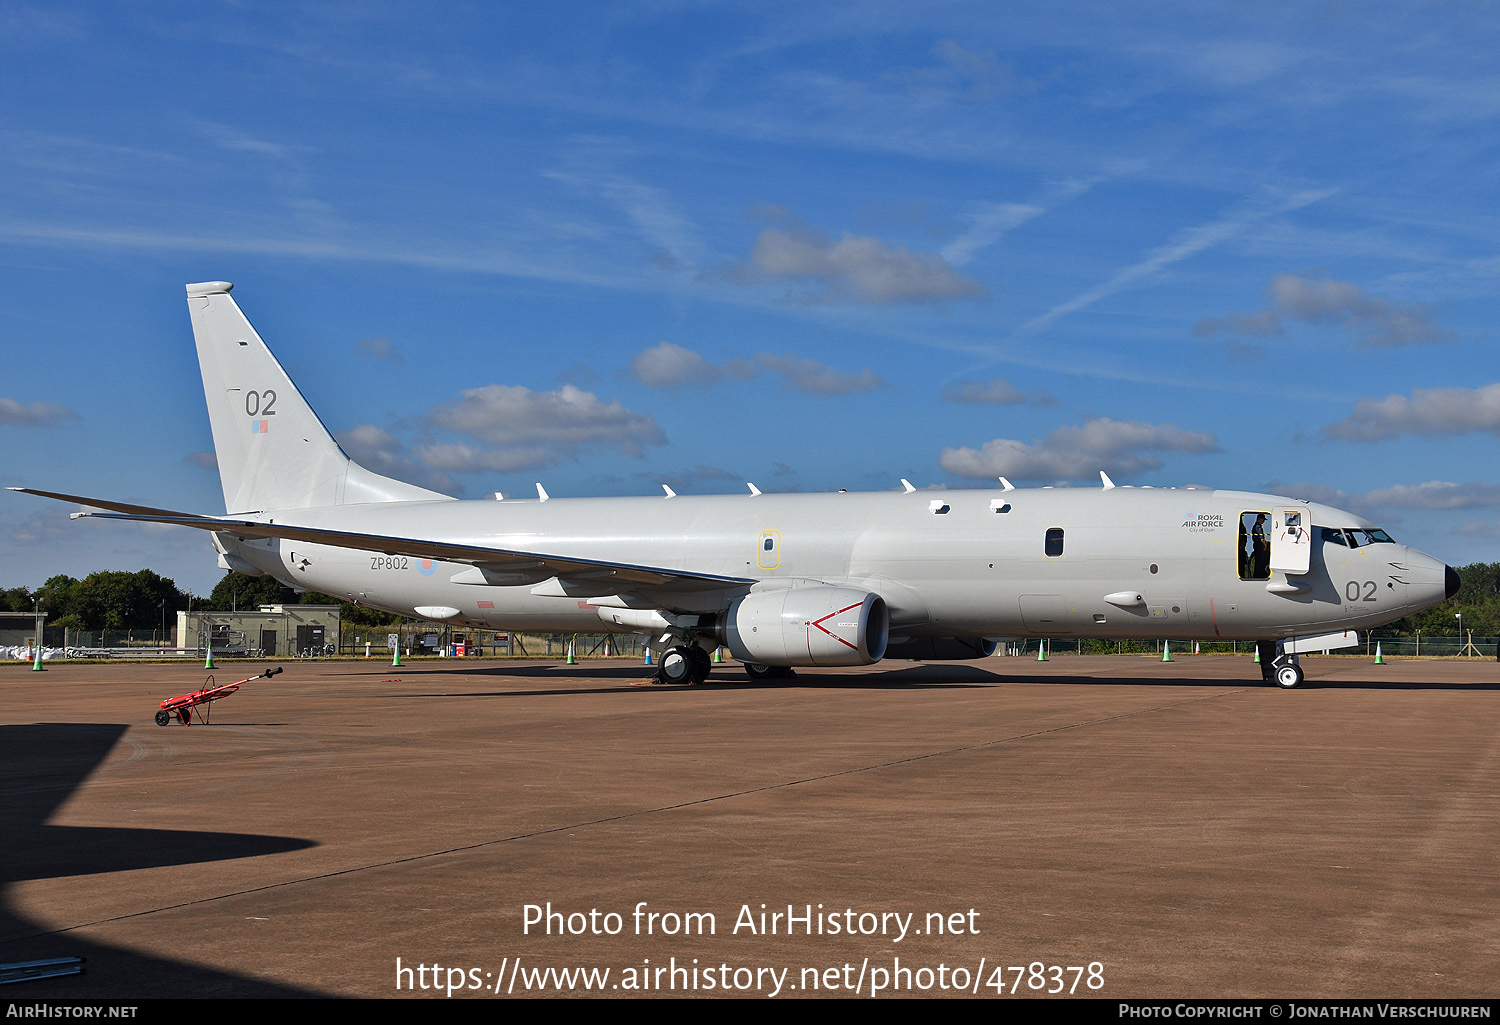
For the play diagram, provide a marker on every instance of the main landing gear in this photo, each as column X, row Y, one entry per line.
column 758, row 672
column 1282, row 670
column 684, row 664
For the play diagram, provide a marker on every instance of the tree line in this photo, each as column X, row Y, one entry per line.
column 118, row 600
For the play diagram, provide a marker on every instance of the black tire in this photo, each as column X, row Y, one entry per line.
column 703, row 662
column 756, row 671
column 163, row 717
column 676, row 666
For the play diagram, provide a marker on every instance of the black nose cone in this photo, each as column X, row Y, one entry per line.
column 1451, row 582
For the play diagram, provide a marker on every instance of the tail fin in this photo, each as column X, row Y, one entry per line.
column 274, row 452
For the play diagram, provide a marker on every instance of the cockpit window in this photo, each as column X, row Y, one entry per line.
column 1355, row 537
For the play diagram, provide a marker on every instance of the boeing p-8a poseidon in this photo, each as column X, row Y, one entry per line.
column 782, row 580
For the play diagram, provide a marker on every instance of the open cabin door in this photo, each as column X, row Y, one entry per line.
column 1291, row 540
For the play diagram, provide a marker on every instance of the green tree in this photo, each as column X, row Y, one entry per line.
column 239, row 591
column 111, row 600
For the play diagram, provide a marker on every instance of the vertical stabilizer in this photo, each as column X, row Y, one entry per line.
column 273, row 451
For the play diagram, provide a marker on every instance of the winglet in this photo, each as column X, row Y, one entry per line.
column 753, row 489
column 906, row 486
column 1006, row 485
column 541, row 492
column 1108, row 484
column 669, row 491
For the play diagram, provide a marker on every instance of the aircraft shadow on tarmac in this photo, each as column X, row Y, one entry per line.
column 728, row 677
column 931, row 675
column 41, row 766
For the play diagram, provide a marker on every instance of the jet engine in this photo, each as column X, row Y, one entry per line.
column 807, row 626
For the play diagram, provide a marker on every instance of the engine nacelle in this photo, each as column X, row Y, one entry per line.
column 942, row 649
column 808, row 626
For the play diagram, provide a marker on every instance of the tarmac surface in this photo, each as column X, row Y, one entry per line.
column 1159, row 830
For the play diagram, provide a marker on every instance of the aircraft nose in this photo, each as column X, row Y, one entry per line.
column 1451, row 582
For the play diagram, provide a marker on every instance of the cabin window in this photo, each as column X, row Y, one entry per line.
column 770, row 544
column 1255, row 545
column 1053, row 546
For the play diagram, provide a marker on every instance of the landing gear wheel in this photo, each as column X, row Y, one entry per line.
column 163, row 717
column 1288, row 676
column 676, row 666
column 703, row 663
column 1266, row 651
column 758, row 672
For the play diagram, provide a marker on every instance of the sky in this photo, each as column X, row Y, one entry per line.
column 607, row 246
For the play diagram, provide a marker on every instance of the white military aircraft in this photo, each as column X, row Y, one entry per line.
column 782, row 580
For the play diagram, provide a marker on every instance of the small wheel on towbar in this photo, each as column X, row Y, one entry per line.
column 163, row 717
column 1289, row 676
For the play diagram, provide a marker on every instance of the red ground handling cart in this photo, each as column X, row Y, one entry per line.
column 182, row 706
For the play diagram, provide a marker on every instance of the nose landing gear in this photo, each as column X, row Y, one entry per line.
column 1282, row 670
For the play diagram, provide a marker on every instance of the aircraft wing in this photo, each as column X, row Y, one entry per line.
column 507, row 565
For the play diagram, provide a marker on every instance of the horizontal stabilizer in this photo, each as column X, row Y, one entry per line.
column 101, row 503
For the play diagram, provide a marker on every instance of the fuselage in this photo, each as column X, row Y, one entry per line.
column 1104, row 563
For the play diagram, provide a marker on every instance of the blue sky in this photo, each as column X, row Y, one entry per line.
column 811, row 246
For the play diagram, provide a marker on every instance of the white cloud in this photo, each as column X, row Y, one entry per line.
column 999, row 392
column 1072, row 453
column 383, row 452
column 814, row 378
column 38, row 414
column 1427, row 412
column 461, row 458
column 1374, row 321
column 991, row 221
column 562, row 421
column 1435, row 495
column 1184, row 244
column 650, row 211
column 666, row 365
column 379, row 348
column 855, row 268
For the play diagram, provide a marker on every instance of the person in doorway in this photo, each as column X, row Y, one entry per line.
column 1260, row 548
